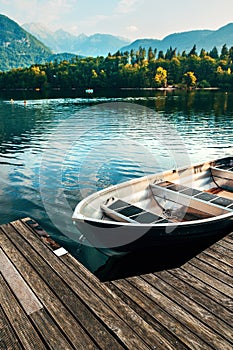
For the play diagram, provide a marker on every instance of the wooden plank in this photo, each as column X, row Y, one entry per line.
column 226, row 245
column 214, row 272
column 132, row 288
column 228, row 238
column 208, row 279
column 147, row 310
column 215, row 253
column 55, row 307
column 22, row 291
column 8, row 338
column 187, row 303
column 218, row 264
column 163, row 337
column 118, row 317
column 50, row 332
column 181, row 315
column 23, row 328
column 221, row 249
column 183, row 285
column 206, row 289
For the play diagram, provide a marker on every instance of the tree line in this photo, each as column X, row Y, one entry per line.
column 135, row 69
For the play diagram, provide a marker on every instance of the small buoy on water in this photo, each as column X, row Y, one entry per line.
column 25, row 102
column 12, row 101
column 89, row 91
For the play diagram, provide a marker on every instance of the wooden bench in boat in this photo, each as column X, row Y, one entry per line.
column 200, row 201
column 120, row 210
column 223, row 177
column 224, row 166
column 197, row 194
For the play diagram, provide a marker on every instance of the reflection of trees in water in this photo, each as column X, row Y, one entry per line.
column 17, row 123
column 193, row 102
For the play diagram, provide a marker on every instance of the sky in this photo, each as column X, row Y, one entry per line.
column 132, row 19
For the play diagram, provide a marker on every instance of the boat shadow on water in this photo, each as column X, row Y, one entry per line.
column 153, row 259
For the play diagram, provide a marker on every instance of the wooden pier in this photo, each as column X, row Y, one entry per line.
column 53, row 302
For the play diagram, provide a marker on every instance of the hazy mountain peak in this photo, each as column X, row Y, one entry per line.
column 97, row 44
column 36, row 28
column 82, row 36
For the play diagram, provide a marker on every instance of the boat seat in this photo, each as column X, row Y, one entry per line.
column 223, row 177
column 205, row 196
column 199, row 200
column 120, row 210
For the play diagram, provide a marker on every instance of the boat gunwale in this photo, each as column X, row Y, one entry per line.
column 217, row 218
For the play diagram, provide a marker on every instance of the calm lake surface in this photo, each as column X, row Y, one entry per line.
column 54, row 152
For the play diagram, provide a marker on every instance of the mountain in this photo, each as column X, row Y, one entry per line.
column 218, row 38
column 184, row 41
column 99, row 44
column 60, row 40
column 18, row 48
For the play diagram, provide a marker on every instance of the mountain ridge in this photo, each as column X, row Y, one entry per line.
column 184, row 41
column 18, row 48
column 97, row 44
column 93, row 46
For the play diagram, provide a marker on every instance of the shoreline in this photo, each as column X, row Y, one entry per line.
column 169, row 88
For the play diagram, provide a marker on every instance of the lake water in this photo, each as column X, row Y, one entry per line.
column 56, row 151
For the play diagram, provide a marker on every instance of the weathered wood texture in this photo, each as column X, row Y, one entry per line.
column 51, row 302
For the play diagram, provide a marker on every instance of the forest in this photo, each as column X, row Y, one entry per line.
column 135, row 69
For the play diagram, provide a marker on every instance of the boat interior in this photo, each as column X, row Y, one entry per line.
column 174, row 198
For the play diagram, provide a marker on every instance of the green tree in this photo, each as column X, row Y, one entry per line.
column 150, row 55
column 231, row 54
column 174, row 71
column 202, row 53
column 170, row 54
column 193, row 52
column 132, row 56
column 214, row 53
column 224, row 53
column 161, row 55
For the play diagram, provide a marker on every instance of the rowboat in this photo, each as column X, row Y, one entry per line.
column 186, row 204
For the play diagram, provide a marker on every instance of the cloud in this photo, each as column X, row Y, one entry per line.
column 126, row 6
column 132, row 29
column 90, row 23
column 44, row 11
column 57, row 9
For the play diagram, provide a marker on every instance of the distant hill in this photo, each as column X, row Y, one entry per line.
column 60, row 40
column 184, row 41
column 18, row 48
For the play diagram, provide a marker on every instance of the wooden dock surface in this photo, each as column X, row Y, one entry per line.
column 52, row 302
